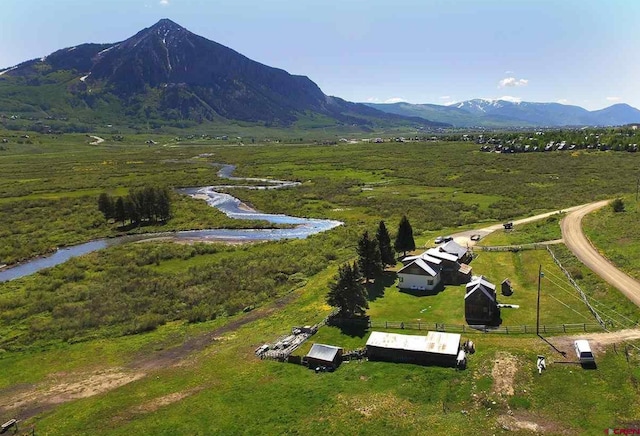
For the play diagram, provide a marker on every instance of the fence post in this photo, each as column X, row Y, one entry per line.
column 386, row 324
column 584, row 326
column 419, row 326
column 525, row 328
column 564, row 328
column 463, row 329
column 544, row 327
column 506, row 329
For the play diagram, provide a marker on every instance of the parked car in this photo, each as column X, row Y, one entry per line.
column 447, row 239
column 475, row 237
column 439, row 240
column 583, row 351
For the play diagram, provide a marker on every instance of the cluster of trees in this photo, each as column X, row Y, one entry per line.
column 348, row 292
column 150, row 204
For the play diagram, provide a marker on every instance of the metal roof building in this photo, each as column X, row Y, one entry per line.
column 324, row 355
column 437, row 348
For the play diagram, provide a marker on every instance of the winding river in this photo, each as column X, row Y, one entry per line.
column 231, row 206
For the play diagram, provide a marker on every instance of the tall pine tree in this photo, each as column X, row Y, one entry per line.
column 387, row 256
column 404, row 239
column 369, row 259
column 347, row 292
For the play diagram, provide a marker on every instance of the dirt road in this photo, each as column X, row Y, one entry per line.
column 578, row 243
column 464, row 238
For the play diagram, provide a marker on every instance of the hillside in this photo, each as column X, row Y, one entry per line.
column 166, row 75
column 501, row 113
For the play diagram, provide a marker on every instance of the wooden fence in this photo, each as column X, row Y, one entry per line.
column 514, row 248
column 462, row 328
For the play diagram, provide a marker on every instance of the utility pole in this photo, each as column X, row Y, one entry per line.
column 538, row 306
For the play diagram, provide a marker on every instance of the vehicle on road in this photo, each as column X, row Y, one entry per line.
column 439, row 240
column 475, row 237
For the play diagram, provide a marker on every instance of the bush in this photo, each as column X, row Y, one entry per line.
column 617, row 205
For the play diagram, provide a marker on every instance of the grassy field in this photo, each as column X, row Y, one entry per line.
column 447, row 307
column 617, row 235
column 537, row 231
column 153, row 338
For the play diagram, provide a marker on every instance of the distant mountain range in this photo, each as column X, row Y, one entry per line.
column 501, row 113
column 166, row 75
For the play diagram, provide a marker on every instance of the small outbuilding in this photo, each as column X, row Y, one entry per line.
column 480, row 303
column 507, row 290
column 437, row 348
column 324, row 355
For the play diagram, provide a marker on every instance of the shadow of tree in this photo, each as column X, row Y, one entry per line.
column 376, row 289
column 353, row 327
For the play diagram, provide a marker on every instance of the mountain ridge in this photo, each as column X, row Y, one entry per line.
column 167, row 74
column 504, row 113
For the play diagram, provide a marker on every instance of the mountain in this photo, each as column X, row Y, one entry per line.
column 166, row 74
column 620, row 113
column 502, row 113
column 458, row 117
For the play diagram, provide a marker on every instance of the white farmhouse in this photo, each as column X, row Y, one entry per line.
column 419, row 275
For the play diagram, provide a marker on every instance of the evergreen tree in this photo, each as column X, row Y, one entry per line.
column 106, row 206
column 404, row 239
column 369, row 257
column 347, row 292
column 120, row 214
column 163, row 205
column 387, row 256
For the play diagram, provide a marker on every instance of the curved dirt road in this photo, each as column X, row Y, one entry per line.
column 464, row 238
column 578, row 243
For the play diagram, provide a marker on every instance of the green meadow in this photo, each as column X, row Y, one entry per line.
column 159, row 338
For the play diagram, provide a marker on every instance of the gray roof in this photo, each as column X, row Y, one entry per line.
column 423, row 266
column 452, row 247
column 434, row 342
column 424, row 256
column 483, row 285
column 434, row 252
column 323, row 352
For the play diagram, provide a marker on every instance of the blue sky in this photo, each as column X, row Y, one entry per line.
column 421, row 51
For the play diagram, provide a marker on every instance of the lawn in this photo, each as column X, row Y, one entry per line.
column 559, row 303
column 617, row 235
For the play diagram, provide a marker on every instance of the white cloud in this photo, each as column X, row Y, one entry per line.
column 613, row 98
column 395, row 100
column 512, row 81
column 445, row 97
column 373, row 100
column 509, row 72
column 510, row 98
column 563, row 101
column 164, row 2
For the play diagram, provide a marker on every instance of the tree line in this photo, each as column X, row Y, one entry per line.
column 348, row 292
column 148, row 204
